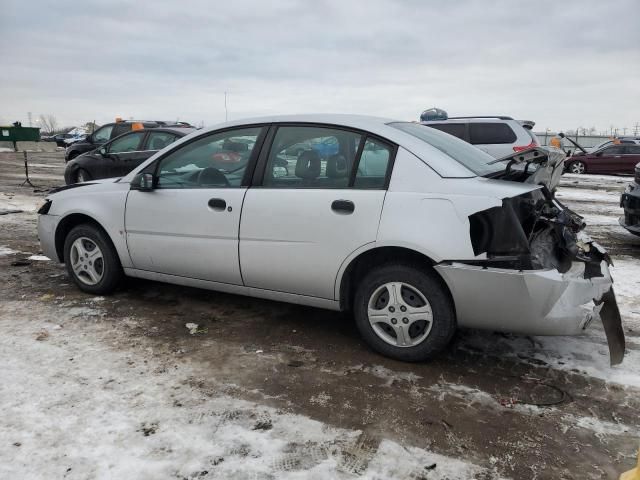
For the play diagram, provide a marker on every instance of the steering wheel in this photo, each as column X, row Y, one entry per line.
column 212, row 176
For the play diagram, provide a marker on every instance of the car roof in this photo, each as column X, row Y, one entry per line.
column 486, row 119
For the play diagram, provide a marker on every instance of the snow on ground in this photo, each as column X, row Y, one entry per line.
column 67, row 414
column 587, row 195
column 477, row 398
column 26, row 203
column 6, row 251
column 573, row 179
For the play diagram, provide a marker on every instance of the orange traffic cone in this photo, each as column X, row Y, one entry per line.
column 634, row 473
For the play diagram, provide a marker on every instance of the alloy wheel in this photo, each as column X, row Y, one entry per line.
column 577, row 167
column 87, row 261
column 400, row 314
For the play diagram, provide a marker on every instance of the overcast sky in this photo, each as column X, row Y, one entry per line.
column 562, row 64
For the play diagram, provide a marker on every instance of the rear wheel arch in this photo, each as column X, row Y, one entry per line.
column 375, row 257
column 68, row 223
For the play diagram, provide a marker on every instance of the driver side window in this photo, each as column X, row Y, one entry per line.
column 218, row 160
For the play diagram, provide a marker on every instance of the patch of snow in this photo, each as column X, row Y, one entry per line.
column 39, row 258
column 6, row 150
column 390, row 375
column 592, row 220
column 4, row 251
column 626, row 284
column 475, row 397
column 586, row 195
column 25, row 203
column 78, row 406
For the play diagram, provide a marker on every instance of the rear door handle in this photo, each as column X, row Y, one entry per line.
column 217, row 204
column 343, row 206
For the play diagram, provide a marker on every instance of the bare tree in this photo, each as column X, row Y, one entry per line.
column 48, row 123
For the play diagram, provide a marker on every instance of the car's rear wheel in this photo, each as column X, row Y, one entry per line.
column 82, row 175
column 404, row 312
column 91, row 260
column 577, row 167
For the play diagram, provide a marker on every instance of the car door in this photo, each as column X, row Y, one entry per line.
column 607, row 160
column 307, row 213
column 122, row 151
column 188, row 224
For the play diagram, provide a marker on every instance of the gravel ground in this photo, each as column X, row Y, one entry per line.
column 118, row 387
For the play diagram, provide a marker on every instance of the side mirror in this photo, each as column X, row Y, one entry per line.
column 142, row 182
column 89, row 139
column 103, row 151
column 599, row 154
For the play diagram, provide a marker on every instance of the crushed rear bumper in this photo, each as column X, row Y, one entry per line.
column 535, row 302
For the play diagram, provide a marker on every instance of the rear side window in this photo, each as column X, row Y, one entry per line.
column 633, row 149
column 311, row 157
column 455, row 129
column 373, row 165
column 490, row 133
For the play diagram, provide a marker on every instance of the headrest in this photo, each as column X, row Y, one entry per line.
column 337, row 166
column 212, row 176
column 235, row 146
column 308, row 165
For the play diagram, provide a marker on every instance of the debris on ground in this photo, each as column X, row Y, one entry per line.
column 195, row 329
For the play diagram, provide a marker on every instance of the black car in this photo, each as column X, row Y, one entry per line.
column 110, row 131
column 119, row 156
column 630, row 201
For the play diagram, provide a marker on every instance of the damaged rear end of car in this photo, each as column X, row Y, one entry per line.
column 536, row 271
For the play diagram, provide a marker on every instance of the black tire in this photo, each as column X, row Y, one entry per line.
column 82, row 175
column 426, row 282
column 112, row 273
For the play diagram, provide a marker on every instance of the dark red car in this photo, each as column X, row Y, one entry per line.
column 613, row 159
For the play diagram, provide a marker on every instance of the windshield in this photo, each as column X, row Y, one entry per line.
column 474, row 159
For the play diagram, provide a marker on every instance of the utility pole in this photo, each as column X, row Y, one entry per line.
column 636, row 128
column 226, row 113
column 29, row 117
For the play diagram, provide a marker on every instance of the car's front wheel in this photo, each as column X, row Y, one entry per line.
column 82, row 176
column 404, row 312
column 92, row 260
column 577, row 167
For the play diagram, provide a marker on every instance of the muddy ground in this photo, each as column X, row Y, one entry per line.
column 504, row 406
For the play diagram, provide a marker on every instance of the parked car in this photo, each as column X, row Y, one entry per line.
column 60, row 138
column 411, row 229
column 615, row 141
column 112, row 130
column 498, row 136
column 119, row 156
column 613, row 159
column 630, row 202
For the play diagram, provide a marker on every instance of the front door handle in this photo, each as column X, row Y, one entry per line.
column 217, row 204
column 343, row 206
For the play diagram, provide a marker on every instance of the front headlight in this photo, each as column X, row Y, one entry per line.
column 44, row 209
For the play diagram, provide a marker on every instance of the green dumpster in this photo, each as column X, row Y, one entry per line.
column 19, row 134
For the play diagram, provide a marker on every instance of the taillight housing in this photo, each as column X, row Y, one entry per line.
column 533, row 144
